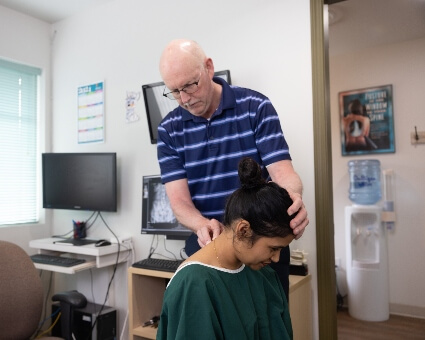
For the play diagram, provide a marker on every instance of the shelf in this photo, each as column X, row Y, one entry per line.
column 96, row 257
column 145, row 332
column 297, row 281
column 66, row 270
column 149, row 272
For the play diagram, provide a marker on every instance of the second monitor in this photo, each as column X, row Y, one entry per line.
column 157, row 215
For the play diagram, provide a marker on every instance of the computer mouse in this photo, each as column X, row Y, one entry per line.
column 102, row 243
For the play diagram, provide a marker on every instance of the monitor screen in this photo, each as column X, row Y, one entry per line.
column 157, row 215
column 79, row 181
column 157, row 106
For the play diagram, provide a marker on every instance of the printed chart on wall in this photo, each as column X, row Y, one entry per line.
column 91, row 113
column 367, row 121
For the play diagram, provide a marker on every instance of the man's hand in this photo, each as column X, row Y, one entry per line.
column 187, row 214
column 283, row 173
column 209, row 232
column 300, row 221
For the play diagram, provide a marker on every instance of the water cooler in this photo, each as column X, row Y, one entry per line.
column 366, row 244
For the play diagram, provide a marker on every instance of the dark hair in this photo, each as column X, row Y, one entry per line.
column 263, row 204
column 357, row 108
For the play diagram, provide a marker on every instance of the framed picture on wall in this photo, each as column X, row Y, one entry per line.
column 367, row 120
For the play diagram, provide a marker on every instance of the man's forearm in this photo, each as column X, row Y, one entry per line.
column 284, row 174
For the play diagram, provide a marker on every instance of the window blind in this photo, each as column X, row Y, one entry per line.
column 18, row 143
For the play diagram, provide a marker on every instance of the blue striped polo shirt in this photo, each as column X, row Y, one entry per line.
column 207, row 152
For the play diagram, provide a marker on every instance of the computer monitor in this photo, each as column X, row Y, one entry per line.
column 157, row 215
column 157, row 106
column 80, row 181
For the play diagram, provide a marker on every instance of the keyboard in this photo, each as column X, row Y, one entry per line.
column 55, row 260
column 158, row 264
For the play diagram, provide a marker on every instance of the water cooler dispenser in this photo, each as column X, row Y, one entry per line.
column 366, row 244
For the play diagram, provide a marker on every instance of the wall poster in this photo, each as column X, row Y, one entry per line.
column 91, row 113
column 367, row 122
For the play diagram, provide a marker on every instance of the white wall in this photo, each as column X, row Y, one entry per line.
column 403, row 66
column 27, row 40
column 265, row 45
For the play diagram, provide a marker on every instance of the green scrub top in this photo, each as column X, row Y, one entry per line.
column 206, row 302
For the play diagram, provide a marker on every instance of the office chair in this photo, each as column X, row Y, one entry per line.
column 21, row 296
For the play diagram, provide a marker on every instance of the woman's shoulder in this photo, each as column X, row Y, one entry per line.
column 190, row 272
column 196, row 272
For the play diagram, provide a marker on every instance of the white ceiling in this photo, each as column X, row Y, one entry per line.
column 357, row 23
column 50, row 11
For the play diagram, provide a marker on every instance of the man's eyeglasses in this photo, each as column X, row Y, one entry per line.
column 189, row 89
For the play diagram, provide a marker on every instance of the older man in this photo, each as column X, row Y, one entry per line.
column 201, row 142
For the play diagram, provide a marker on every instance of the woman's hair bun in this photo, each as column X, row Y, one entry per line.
column 250, row 173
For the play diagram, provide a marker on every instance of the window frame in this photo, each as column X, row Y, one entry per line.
column 20, row 133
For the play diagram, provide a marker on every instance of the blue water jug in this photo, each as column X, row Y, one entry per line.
column 365, row 181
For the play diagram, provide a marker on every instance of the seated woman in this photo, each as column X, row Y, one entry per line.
column 226, row 290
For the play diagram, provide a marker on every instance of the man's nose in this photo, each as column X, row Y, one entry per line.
column 184, row 97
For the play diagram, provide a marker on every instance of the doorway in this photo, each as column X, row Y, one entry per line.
column 327, row 137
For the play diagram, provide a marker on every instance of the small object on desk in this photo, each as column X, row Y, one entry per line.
column 79, row 229
column 298, row 263
column 55, row 260
column 158, row 264
column 152, row 322
column 102, row 243
column 301, row 270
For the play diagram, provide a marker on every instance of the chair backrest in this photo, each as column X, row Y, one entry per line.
column 21, row 293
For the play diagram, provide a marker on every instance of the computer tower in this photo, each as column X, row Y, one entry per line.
column 84, row 318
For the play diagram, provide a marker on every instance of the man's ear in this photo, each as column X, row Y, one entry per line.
column 243, row 230
column 209, row 64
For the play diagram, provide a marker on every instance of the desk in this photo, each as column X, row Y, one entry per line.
column 300, row 306
column 95, row 256
column 146, row 291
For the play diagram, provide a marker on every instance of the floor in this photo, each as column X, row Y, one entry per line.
column 397, row 327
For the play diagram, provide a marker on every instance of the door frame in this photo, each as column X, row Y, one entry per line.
column 325, row 247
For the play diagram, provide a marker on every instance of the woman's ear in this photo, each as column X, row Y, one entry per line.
column 243, row 230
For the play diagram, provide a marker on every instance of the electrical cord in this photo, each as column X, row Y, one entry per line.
column 88, row 226
column 113, row 273
column 95, row 214
column 128, row 246
column 91, row 286
column 52, row 325
column 165, row 248
column 37, row 334
column 131, row 248
column 40, row 326
column 183, row 254
column 153, row 250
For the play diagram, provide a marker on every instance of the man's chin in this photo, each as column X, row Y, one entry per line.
column 196, row 111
